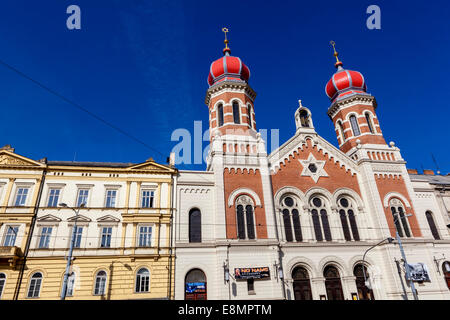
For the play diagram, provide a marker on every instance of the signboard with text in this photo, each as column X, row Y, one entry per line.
column 251, row 273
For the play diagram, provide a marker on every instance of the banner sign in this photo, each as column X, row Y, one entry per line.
column 195, row 287
column 419, row 272
column 251, row 273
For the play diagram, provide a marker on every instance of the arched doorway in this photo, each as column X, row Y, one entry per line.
column 195, row 285
column 302, row 285
column 364, row 293
column 333, row 283
column 446, row 270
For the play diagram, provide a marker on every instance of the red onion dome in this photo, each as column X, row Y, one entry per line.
column 345, row 82
column 228, row 68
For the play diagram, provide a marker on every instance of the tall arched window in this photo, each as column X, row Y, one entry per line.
column 369, row 122
column 291, row 218
column 71, row 284
column 318, row 205
column 401, row 221
column 301, row 284
column 143, row 280
column 245, row 218
column 236, row 113
column 304, row 118
column 195, row 285
column 249, row 113
column 446, row 270
column 333, row 283
column 195, row 226
column 347, row 215
column 432, row 225
column 355, row 126
column 220, row 115
column 364, row 293
column 2, row 283
column 34, row 288
column 100, row 283
column 341, row 131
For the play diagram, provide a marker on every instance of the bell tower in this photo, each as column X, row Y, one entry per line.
column 237, row 154
column 352, row 109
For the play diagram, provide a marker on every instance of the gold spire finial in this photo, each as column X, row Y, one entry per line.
column 225, row 30
column 338, row 63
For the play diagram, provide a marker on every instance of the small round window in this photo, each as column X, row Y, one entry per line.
column 317, row 202
column 289, row 201
column 344, row 202
column 312, row 167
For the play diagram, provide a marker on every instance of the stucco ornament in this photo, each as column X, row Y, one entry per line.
column 313, row 168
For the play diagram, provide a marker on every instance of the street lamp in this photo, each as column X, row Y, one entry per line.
column 72, row 242
column 364, row 256
column 407, row 271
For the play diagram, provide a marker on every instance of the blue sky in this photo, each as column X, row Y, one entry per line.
column 143, row 65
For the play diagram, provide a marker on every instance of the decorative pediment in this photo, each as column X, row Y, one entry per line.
column 49, row 218
column 10, row 159
column 79, row 218
column 108, row 218
column 151, row 165
column 281, row 155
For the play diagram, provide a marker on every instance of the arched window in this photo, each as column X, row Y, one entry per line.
column 347, row 215
column 341, row 131
column 400, row 219
column 2, row 283
column 70, row 284
column 249, row 113
column 236, row 113
column 446, row 270
column 142, row 280
column 369, row 122
column 245, row 220
column 432, row 225
column 318, row 205
column 100, row 283
column 304, row 118
column 355, row 126
column 301, row 284
column 195, row 226
column 220, row 115
column 291, row 218
column 364, row 293
column 34, row 288
column 195, row 285
column 333, row 283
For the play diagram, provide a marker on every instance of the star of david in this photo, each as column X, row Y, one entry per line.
column 313, row 168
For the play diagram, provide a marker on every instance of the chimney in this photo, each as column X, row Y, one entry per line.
column 172, row 159
column 428, row 172
column 412, row 171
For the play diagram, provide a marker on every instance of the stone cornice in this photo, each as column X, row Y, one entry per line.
column 229, row 85
column 333, row 109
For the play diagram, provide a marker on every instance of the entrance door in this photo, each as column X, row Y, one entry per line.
column 333, row 283
column 302, row 286
column 195, row 285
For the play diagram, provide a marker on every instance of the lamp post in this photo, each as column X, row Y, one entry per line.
column 407, row 271
column 364, row 256
column 72, row 242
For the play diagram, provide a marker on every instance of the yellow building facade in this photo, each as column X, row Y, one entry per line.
column 119, row 216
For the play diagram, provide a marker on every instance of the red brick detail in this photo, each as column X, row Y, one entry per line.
column 250, row 179
column 389, row 183
column 289, row 173
column 350, row 139
column 227, row 98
